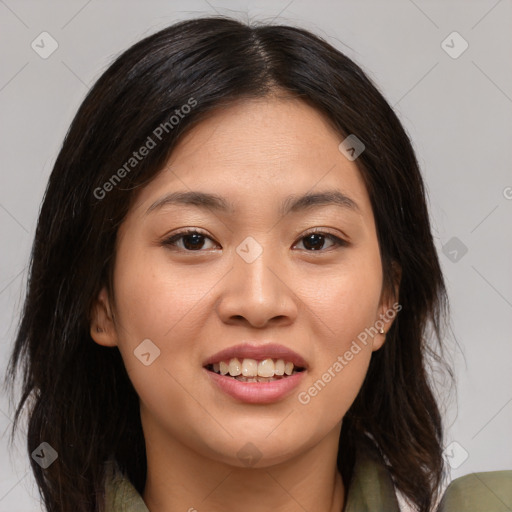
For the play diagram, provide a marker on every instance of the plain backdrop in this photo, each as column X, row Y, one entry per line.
column 454, row 101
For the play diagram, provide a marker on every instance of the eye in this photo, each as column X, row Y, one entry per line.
column 194, row 240
column 314, row 240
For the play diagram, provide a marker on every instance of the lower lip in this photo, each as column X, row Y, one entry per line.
column 257, row 392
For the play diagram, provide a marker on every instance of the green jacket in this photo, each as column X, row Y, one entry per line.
column 371, row 490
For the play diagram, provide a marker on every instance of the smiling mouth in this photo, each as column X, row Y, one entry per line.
column 252, row 370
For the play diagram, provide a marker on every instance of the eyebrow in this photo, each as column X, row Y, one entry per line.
column 291, row 204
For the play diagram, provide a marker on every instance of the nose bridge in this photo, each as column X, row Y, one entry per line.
column 253, row 263
column 255, row 290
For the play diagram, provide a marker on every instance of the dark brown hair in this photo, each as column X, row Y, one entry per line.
column 81, row 400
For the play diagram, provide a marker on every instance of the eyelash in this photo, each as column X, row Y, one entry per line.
column 171, row 241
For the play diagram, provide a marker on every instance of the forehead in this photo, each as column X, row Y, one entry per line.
column 258, row 149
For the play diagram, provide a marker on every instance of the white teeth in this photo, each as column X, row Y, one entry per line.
column 266, row 368
column 235, row 368
column 224, row 368
column 279, row 367
column 250, row 370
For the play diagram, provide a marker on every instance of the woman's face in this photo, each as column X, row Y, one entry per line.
column 254, row 276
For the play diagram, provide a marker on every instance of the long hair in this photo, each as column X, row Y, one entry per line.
column 82, row 402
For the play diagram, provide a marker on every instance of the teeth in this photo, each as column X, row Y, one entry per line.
column 251, row 370
column 224, row 368
column 279, row 367
column 266, row 368
column 235, row 367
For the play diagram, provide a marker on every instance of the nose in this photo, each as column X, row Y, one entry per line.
column 258, row 293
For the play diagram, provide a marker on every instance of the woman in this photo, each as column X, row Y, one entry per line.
column 232, row 280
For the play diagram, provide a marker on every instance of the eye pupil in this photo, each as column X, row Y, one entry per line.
column 317, row 241
column 196, row 241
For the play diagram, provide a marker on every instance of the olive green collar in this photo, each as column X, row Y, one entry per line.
column 371, row 488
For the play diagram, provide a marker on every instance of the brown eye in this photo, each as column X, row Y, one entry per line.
column 315, row 241
column 193, row 240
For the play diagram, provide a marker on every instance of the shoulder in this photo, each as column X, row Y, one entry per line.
column 478, row 492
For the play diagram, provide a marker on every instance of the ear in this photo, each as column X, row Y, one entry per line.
column 388, row 306
column 103, row 330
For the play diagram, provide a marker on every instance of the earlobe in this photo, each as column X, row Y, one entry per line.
column 388, row 312
column 379, row 339
column 102, row 328
column 389, row 308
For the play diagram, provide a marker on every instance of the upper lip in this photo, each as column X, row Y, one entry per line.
column 259, row 352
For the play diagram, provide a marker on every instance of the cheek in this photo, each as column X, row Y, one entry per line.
column 153, row 300
column 154, row 303
column 341, row 363
column 347, row 306
column 347, row 301
column 168, row 306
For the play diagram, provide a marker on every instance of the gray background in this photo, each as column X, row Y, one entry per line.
column 456, row 110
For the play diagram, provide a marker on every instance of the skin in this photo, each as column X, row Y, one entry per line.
column 193, row 304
